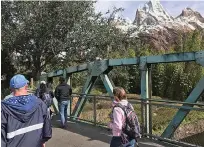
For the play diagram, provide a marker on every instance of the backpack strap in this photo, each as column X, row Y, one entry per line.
column 122, row 107
column 130, row 106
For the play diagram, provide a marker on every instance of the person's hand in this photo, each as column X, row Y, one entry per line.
column 43, row 145
column 109, row 125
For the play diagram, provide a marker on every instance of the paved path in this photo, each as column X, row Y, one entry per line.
column 85, row 135
column 79, row 135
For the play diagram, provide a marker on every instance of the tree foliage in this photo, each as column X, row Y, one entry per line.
column 47, row 35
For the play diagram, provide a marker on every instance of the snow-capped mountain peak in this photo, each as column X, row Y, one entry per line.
column 151, row 13
column 191, row 17
column 157, row 27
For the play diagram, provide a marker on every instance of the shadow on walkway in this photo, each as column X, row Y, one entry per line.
column 86, row 135
column 88, row 130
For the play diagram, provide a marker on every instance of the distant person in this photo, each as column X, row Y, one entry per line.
column 49, row 86
column 124, row 124
column 63, row 95
column 45, row 95
column 24, row 118
column 37, row 91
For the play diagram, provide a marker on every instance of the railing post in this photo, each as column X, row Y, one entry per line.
column 70, row 110
column 145, row 93
column 150, row 96
column 94, row 110
column 142, row 116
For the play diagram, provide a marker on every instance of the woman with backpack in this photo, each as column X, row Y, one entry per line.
column 124, row 122
column 45, row 95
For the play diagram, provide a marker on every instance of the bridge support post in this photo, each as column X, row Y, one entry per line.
column 67, row 77
column 82, row 99
column 150, row 96
column 107, row 83
column 182, row 113
column 145, row 96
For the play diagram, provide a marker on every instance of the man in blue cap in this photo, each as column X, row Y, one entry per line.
column 24, row 118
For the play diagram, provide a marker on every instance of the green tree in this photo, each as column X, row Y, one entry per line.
column 49, row 35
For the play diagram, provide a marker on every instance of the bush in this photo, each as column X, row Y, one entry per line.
column 96, row 92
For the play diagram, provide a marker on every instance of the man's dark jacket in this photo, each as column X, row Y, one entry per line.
column 63, row 92
column 24, row 122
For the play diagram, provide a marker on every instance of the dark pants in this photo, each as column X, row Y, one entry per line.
column 116, row 142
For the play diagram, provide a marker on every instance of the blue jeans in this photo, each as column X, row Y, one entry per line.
column 63, row 106
column 116, row 142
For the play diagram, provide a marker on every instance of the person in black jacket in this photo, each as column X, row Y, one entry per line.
column 24, row 117
column 63, row 94
column 45, row 94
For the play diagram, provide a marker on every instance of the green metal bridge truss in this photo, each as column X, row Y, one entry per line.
column 101, row 68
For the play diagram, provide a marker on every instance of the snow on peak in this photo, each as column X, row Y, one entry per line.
column 151, row 17
column 151, row 13
column 192, row 17
column 155, row 7
column 153, row 24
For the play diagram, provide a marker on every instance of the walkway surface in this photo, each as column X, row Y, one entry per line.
column 85, row 135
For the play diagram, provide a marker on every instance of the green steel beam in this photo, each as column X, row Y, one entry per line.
column 82, row 100
column 78, row 68
column 169, row 58
column 56, row 73
column 166, row 58
column 144, row 94
column 73, row 69
column 200, row 58
column 107, row 83
column 55, row 105
column 182, row 112
column 98, row 67
column 120, row 62
column 95, row 70
column 149, row 68
column 67, row 77
column 111, row 81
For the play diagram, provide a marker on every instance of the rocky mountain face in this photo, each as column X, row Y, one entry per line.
column 155, row 26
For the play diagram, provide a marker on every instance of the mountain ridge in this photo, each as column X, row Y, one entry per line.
column 154, row 25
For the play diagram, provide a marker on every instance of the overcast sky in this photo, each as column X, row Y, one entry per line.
column 174, row 8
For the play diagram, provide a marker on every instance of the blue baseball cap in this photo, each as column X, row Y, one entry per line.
column 18, row 81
